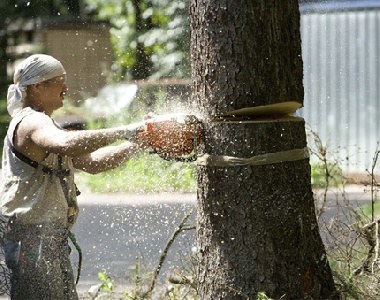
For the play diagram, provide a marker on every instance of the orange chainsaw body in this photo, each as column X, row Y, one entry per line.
column 171, row 135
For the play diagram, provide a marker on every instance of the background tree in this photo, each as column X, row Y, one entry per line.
column 150, row 37
column 143, row 65
column 256, row 228
column 6, row 12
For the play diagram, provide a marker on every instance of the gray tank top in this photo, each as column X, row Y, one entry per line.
column 31, row 195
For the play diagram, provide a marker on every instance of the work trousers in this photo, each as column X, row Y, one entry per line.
column 38, row 257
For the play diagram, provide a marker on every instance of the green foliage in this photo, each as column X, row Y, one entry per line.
column 107, row 282
column 177, row 293
column 144, row 173
column 137, row 282
column 263, row 296
column 347, row 285
column 161, row 27
column 103, row 289
column 325, row 174
column 366, row 210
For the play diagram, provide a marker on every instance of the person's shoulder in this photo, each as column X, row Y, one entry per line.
column 33, row 119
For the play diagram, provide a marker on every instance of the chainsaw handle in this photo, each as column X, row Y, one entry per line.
column 133, row 129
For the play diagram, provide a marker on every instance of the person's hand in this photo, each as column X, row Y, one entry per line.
column 149, row 116
column 133, row 129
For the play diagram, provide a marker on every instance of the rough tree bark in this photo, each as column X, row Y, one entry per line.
column 256, row 226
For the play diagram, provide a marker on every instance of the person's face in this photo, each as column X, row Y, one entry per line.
column 53, row 92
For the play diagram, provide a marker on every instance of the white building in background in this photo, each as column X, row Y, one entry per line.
column 84, row 47
column 341, row 54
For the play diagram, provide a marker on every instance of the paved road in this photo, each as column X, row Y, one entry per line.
column 114, row 230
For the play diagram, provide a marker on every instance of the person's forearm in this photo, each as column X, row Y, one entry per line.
column 106, row 158
column 77, row 143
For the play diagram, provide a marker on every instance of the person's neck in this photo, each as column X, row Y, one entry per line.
column 35, row 108
column 39, row 109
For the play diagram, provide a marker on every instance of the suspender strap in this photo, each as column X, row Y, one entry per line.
column 21, row 156
column 65, row 188
column 70, row 217
column 61, row 172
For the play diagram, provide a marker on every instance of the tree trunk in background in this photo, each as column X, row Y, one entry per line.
column 143, row 67
column 4, row 82
column 7, row 10
column 256, row 228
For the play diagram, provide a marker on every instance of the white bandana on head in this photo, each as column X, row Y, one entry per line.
column 34, row 69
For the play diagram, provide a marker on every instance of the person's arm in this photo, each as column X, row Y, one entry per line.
column 106, row 158
column 37, row 135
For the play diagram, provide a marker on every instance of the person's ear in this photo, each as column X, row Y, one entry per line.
column 37, row 87
column 34, row 89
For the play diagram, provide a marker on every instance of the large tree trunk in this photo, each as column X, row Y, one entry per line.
column 256, row 229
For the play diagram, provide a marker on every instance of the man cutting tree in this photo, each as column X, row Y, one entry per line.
column 38, row 193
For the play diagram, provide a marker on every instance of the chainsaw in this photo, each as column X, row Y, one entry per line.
column 173, row 137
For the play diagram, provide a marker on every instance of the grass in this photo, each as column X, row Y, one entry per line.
column 145, row 173
column 366, row 210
